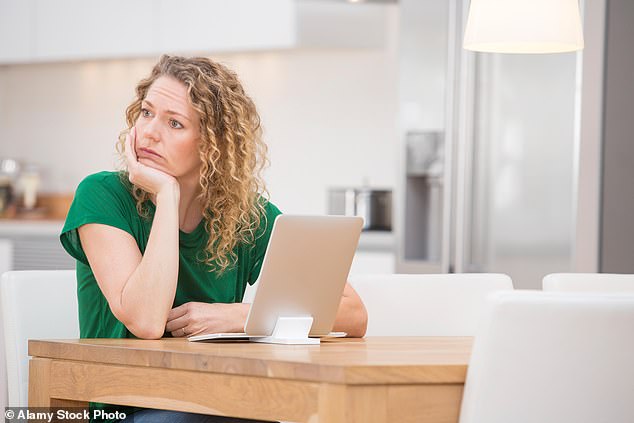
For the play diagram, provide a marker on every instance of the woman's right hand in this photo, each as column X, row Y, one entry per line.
column 151, row 180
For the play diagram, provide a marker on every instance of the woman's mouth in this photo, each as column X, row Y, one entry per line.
column 149, row 152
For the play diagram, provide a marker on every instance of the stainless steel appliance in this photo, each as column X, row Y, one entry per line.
column 487, row 153
column 373, row 205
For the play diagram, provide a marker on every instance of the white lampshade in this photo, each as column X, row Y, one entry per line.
column 524, row 26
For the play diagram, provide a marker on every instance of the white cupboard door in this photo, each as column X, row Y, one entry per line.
column 220, row 25
column 15, row 30
column 80, row 29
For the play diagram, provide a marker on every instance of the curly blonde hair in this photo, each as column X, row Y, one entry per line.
column 231, row 150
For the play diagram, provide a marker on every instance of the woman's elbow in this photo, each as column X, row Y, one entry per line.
column 363, row 324
column 141, row 322
column 143, row 328
column 149, row 334
column 359, row 324
column 146, row 330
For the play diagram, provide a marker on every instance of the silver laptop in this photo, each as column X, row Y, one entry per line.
column 302, row 278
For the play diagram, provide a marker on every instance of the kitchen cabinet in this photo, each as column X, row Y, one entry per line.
column 33, row 31
column 32, row 245
column 6, row 255
column 372, row 262
column 375, row 253
column 220, row 25
column 15, row 37
column 78, row 29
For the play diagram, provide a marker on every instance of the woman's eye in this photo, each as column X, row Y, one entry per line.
column 175, row 124
column 145, row 113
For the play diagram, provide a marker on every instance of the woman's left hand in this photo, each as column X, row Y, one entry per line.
column 198, row 318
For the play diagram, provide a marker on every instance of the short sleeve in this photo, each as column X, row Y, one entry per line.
column 99, row 198
column 262, row 242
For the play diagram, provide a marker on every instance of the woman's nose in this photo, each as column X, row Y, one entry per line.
column 151, row 130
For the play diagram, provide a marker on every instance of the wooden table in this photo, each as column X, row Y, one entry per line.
column 399, row 379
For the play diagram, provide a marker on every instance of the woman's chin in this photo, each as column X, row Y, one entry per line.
column 154, row 165
column 149, row 162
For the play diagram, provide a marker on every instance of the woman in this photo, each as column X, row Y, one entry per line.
column 169, row 245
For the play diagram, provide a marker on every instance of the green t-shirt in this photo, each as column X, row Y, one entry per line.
column 106, row 198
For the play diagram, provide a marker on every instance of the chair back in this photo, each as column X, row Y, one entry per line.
column 36, row 304
column 552, row 357
column 6, row 264
column 425, row 304
column 588, row 282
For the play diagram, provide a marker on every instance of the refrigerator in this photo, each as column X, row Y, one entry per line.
column 487, row 157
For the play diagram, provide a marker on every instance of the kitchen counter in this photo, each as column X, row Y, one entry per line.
column 35, row 245
column 10, row 227
column 369, row 240
column 375, row 253
column 377, row 241
column 32, row 245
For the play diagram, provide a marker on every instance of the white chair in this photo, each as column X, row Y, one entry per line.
column 552, row 357
column 6, row 264
column 424, row 304
column 36, row 304
column 588, row 282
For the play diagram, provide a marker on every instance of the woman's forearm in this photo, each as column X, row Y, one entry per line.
column 148, row 295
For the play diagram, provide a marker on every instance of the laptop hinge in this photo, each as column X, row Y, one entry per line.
column 290, row 330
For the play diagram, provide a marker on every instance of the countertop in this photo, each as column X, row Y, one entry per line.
column 369, row 241
column 9, row 227
column 382, row 241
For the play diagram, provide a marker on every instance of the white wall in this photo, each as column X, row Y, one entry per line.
column 329, row 117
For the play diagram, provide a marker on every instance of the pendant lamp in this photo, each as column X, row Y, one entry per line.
column 524, row 26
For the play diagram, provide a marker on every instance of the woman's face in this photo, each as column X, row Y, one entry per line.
column 168, row 130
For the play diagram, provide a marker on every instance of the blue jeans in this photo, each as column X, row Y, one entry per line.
column 166, row 416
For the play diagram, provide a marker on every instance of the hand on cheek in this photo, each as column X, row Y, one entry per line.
column 150, row 179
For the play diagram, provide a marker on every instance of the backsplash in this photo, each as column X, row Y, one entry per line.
column 330, row 113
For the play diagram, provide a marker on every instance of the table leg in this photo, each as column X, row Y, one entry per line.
column 39, row 382
column 40, row 389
